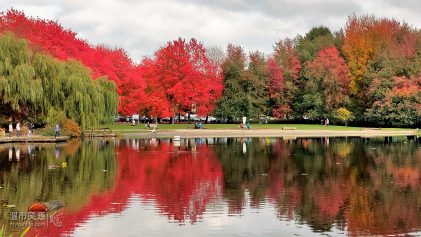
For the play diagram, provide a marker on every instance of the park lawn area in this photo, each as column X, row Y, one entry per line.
column 126, row 127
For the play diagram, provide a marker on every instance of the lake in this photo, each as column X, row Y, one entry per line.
column 214, row 187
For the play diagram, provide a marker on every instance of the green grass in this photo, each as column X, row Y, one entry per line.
column 126, row 127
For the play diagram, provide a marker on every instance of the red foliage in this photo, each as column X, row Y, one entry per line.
column 179, row 77
column 286, row 55
column 179, row 184
column 276, row 86
column 51, row 38
column 368, row 37
column 332, row 71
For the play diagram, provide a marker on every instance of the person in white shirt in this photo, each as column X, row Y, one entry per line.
column 10, row 129
column 18, row 129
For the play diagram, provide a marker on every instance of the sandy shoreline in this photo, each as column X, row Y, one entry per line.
column 36, row 139
column 190, row 133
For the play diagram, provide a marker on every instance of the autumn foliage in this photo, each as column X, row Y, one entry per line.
column 370, row 68
column 180, row 79
column 51, row 38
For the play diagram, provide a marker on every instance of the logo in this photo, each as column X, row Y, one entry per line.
column 36, row 216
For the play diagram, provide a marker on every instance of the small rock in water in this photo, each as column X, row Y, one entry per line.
column 104, row 170
column 304, row 174
column 373, row 148
column 338, row 163
column 264, row 174
column 9, row 205
column 54, row 204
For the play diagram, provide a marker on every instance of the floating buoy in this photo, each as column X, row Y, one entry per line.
column 38, row 207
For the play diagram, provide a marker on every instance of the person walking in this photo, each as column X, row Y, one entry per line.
column 10, row 129
column 327, row 122
column 18, row 129
column 248, row 125
column 57, row 131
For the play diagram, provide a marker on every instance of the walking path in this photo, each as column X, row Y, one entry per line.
column 21, row 139
column 190, row 133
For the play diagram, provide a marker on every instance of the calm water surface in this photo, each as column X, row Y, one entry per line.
column 215, row 187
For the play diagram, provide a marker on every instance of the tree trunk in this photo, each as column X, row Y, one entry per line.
column 207, row 117
column 188, row 117
column 179, row 117
column 171, row 120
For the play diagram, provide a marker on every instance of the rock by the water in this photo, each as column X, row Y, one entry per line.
column 54, row 204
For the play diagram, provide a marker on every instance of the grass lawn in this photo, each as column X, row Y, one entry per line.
column 126, row 127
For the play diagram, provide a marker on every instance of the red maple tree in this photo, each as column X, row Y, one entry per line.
column 51, row 38
column 181, row 79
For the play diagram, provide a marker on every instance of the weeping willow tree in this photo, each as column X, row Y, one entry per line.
column 37, row 86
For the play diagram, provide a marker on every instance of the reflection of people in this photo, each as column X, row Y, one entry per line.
column 57, row 131
column 10, row 154
column 17, row 151
column 10, row 129
column 29, row 150
column 57, row 151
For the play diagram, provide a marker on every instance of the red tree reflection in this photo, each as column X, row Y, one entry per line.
column 179, row 181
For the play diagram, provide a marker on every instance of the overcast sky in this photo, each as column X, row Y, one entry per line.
column 142, row 26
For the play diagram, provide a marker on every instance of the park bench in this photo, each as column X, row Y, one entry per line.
column 289, row 128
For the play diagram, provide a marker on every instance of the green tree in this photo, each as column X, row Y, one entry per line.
column 245, row 90
column 318, row 38
column 32, row 84
column 326, row 86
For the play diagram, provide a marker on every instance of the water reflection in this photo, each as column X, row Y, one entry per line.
column 322, row 185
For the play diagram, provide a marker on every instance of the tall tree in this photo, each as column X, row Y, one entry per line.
column 181, row 79
column 277, row 101
column 364, row 37
column 232, row 103
column 51, row 38
column 318, row 38
column 286, row 56
column 245, row 90
column 327, row 84
column 36, row 87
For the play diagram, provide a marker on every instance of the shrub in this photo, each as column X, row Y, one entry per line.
column 344, row 115
column 70, row 128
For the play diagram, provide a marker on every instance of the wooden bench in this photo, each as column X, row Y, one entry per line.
column 289, row 128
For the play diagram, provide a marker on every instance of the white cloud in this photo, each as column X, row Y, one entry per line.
column 143, row 26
